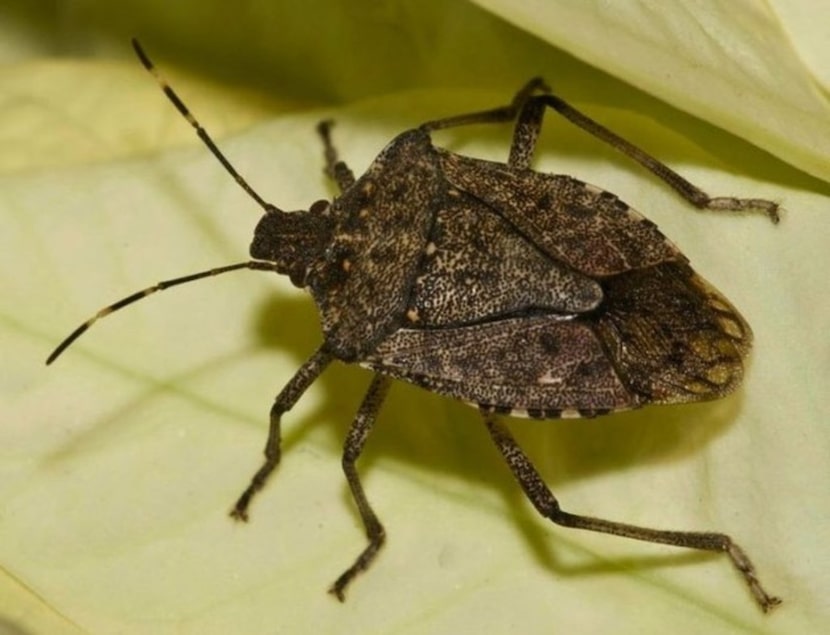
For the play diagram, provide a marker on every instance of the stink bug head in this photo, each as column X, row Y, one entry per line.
column 292, row 241
column 518, row 292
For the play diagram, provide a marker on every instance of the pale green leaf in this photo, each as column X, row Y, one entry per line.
column 116, row 112
column 119, row 463
column 734, row 64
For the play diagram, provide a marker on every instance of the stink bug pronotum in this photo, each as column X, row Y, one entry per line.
column 518, row 292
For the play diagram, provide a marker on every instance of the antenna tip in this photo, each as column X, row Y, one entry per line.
column 55, row 354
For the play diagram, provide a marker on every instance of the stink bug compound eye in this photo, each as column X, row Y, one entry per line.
column 436, row 269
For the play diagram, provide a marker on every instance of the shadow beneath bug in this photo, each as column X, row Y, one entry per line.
column 428, row 432
column 596, row 565
column 434, row 433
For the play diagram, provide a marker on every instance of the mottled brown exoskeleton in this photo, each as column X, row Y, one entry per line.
column 521, row 293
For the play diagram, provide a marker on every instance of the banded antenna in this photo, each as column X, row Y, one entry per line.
column 166, row 284
column 203, row 135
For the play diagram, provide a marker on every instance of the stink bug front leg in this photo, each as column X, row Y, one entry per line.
column 293, row 390
column 335, row 168
column 547, row 505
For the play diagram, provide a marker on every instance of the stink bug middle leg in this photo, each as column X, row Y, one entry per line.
column 518, row 292
column 352, row 447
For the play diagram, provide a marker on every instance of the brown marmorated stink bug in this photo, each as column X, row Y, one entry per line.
column 520, row 293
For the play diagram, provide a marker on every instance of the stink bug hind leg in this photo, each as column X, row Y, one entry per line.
column 528, row 109
column 687, row 190
column 546, row 504
column 500, row 114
